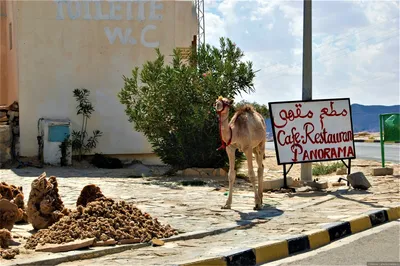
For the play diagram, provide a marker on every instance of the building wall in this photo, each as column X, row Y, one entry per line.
column 63, row 45
column 8, row 66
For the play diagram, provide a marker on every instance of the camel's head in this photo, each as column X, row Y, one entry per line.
column 221, row 103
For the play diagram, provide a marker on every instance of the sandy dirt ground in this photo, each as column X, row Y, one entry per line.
column 193, row 208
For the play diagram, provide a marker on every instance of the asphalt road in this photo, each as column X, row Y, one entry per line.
column 369, row 151
column 379, row 244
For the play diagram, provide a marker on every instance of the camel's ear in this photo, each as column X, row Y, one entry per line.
column 230, row 102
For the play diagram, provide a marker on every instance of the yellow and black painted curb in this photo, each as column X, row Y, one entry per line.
column 375, row 141
column 362, row 140
column 274, row 250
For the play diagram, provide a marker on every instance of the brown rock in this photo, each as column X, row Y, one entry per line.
column 4, row 119
column 77, row 244
column 157, row 242
column 9, row 214
column 359, row 181
column 9, row 254
column 191, row 172
column 129, row 241
column 5, row 237
column 318, row 184
column 88, row 194
column 222, row 172
column 5, row 134
column 16, row 196
column 382, row 171
column 338, row 184
column 108, row 242
column 14, row 106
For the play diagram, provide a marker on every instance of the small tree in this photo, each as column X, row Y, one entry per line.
column 173, row 103
column 80, row 141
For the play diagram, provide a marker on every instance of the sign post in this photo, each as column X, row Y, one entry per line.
column 389, row 125
column 312, row 131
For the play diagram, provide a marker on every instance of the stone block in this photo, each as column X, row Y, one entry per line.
column 140, row 170
column 276, row 183
column 215, row 172
column 318, row 184
column 191, row 172
column 207, row 171
column 203, row 173
column 382, row 171
column 222, row 172
column 358, row 180
column 5, row 143
column 5, row 134
column 179, row 172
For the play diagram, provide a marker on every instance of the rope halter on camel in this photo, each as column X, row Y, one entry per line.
column 223, row 143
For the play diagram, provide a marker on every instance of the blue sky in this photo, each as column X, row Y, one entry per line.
column 355, row 47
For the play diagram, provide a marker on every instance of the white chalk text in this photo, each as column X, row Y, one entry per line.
column 111, row 10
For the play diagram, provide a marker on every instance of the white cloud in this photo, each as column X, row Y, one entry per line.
column 355, row 47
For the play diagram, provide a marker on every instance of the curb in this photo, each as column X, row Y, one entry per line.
column 365, row 140
column 275, row 250
column 95, row 252
column 368, row 140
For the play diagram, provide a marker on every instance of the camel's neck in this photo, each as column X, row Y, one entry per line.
column 225, row 130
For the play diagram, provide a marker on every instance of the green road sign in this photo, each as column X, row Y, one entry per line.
column 389, row 125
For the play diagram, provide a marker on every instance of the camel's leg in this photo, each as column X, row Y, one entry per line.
column 249, row 156
column 231, row 175
column 260, row 172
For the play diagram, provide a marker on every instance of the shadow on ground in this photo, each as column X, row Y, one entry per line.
column 267, row 213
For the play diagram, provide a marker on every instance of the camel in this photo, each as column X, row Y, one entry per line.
column 246, row 131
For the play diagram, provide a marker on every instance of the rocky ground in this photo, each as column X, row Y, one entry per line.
column 193, row 208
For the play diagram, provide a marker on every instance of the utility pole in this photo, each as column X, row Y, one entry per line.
column 306, row 168
column 201, row 27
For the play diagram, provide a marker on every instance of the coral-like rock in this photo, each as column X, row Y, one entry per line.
column 103, row 219
column 5, row 237
column 9, row 254
column 45, row 206
column 88, row 194
column 9, row 214
column 15, row 195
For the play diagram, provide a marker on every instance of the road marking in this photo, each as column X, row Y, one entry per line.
column 336, row 244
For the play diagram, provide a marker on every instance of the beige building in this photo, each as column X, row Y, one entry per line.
column 49, row 48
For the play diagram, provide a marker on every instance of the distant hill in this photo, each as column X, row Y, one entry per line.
column 365, row 117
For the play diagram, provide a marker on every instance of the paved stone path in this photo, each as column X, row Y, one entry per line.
column 191, row 209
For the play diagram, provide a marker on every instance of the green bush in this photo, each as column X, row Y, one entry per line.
column 172, row 104
column 322, row 169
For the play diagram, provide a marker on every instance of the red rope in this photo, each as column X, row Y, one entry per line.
column 223, row 144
